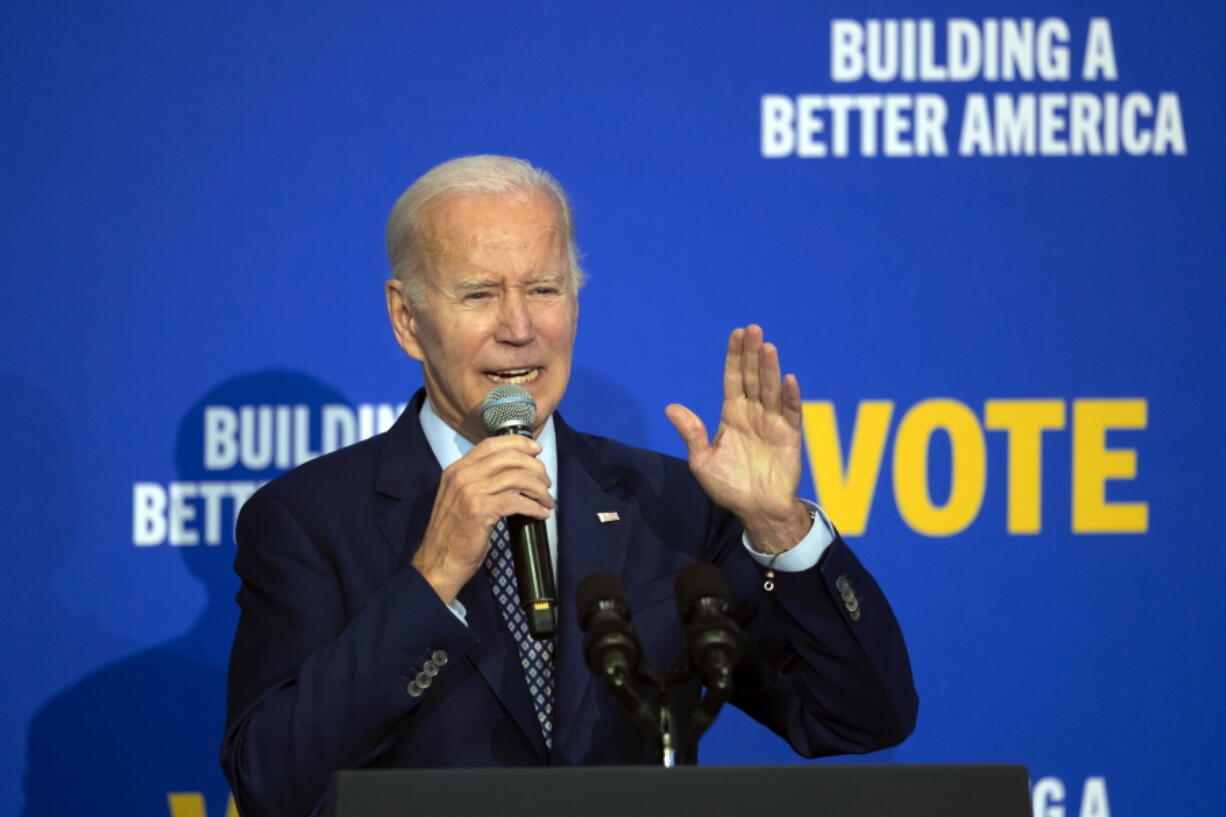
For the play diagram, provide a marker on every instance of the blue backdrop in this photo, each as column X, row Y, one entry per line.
column 1001, row 301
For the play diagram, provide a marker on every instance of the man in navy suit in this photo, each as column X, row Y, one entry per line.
column 371, row 632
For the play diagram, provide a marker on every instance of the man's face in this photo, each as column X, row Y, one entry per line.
column 499, row 305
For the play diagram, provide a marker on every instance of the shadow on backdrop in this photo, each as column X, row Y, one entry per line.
column 151, row 724
column 595, row 404
column 46, row 644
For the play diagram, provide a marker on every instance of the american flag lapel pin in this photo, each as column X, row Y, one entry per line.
column 608, row 516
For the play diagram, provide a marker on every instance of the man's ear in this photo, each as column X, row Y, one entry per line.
column 403, row 317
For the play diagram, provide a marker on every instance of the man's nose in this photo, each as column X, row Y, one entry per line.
column 515, row 320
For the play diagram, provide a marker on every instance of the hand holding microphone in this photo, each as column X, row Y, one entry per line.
column 500, row 477
column 510, row 411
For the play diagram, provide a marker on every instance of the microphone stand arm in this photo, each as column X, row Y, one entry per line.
column 632, row 700
column 716, row 695
column 655, row 721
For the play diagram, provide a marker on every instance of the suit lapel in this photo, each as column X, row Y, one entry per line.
column 409, row 472
column 498, row 659
column 585, row 545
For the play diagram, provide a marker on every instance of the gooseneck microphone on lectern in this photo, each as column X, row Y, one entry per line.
column 508, row 409
column 713, row 644
column 713, row 641
column 612, row 647
column 614, row 654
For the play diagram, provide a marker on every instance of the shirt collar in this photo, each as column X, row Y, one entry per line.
column 448, row 445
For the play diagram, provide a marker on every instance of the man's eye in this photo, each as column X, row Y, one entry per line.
column 546, row 290
column 476, row 296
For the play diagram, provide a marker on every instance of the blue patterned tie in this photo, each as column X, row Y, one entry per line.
column 536, row 657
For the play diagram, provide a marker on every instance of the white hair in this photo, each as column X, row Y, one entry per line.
column 487, row 174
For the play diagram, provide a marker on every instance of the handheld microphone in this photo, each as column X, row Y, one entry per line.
column 508, row 409
column 713, row 640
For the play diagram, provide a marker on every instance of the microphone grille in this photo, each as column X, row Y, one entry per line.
column 595, row 588
column 508, row 405
column 696, row 581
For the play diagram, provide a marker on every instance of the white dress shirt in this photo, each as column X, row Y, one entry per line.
column 449, row 445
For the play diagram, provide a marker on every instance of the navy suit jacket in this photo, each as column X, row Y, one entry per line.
column 335, row 623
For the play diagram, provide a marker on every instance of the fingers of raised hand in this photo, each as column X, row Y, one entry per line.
column 751, row 363
column 689, row 425
column 790, row 403
column 734, row 377
column 771, row 386
column 752, row 370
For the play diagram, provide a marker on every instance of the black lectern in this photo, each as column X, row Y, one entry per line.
column 690, row 791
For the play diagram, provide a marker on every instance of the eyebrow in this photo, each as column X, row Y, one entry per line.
column 550, row 278
column 485, row 283
column 476, row 284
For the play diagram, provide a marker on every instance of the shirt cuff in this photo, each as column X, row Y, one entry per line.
column 459, row 611
column 806, row 553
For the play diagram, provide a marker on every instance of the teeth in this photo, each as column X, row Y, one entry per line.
column 514, row 375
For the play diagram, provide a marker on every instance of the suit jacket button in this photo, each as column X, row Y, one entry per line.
column 853, row 604
column 430, row 668
column 439, row 657
column 842, row 584
column 414, row 690
column 854, row 615
column 423, row 680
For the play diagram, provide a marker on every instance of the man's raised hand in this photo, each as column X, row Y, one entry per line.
column 752, row 465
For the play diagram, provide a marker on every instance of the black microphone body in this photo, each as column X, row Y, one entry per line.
column 713, row 640
column 613, row 652
column 538, row 594
column 511, row 410
column 713, row 644
column 611, row 647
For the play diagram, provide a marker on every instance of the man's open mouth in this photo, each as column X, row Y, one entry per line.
column 514, row 375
